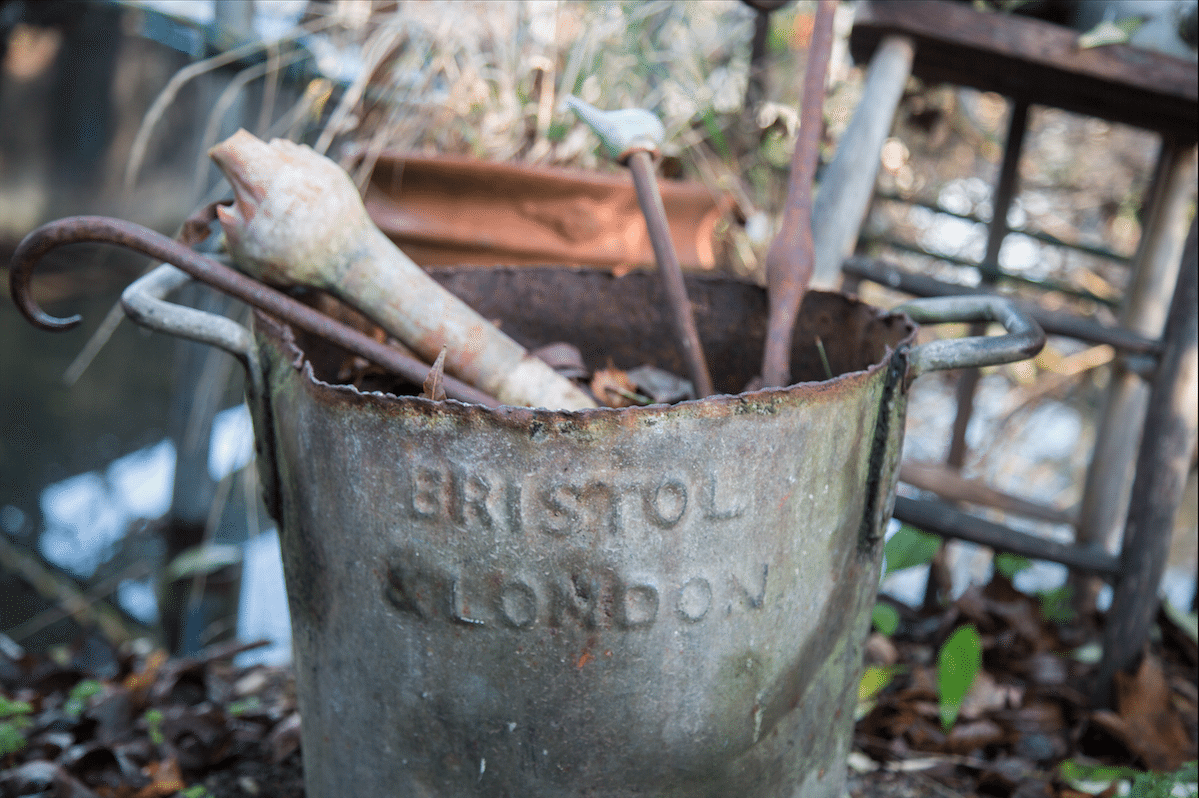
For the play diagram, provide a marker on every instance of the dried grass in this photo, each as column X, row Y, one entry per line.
column 486, row 79
column 167, row 96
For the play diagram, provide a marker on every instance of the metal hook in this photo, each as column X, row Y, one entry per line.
column 88, row 229
column 106, row 230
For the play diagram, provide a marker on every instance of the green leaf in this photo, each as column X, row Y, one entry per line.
column 206, row 559
column 875, row 679
column 1092, row 778
column 11, row 738
column 557, row 131
column 958, row 662
column 14, row 716
column 245, row 705
column 1095, row 778
column 909, row 547
column 775, row 151
column 153, row 718
column 195, row 791
column 9, row 708
column 715, row 134
column 1055, row 604
column 77, row 699
column 778, row 36
column 1183, row 783
column 885, row 619
column 1009, row 564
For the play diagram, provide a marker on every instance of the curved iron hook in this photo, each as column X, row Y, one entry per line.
column 106, row 230
column 90, row 229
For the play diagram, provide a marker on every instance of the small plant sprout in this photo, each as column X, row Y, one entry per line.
column 153, row 718
column 958, row 662
column 77, row 699
column 14, row 719
column 910, row 547
column 885, row 619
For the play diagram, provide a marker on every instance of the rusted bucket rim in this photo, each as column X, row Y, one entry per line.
column 766, row 400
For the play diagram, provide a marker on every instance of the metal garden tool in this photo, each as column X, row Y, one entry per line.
column 789, row 261
column 633, row 137
column 297, row 219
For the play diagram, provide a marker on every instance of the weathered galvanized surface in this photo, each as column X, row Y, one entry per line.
column 663, row 601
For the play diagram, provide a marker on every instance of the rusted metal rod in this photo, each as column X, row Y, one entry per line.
column 641, row 164
column 758, row 84
column 633, row 136
column 790, row 257
column 105, row 230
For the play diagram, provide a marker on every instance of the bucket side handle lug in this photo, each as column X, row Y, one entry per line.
column 144, row 302
column 1024, row 337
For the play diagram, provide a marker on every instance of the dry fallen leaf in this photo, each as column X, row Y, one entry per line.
column 1149, row 724
column 166, row 779
column 285, row 737
column 564, row 358
column 986, row 695
column 967, row 737
column 662, row 386
column 433, row 388
column 139, row 682
column 880, row 650
column 612, row 387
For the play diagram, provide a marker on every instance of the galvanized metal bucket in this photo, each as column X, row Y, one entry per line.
column 664, row 600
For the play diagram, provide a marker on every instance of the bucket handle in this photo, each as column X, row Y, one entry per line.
column 144, row 302
column 1023, row 340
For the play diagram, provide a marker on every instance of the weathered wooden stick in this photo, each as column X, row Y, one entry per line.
column 1163, row 461
column 297, row 219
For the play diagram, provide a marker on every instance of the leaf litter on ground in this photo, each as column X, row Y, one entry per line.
column 121, row 724
column 143, row 725
column 1024, row 727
